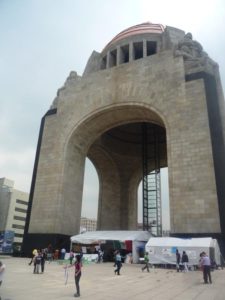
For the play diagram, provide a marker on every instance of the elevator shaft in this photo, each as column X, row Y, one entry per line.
column 152, row 211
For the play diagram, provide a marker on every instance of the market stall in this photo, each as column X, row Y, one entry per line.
column 128, row 242
column 162, row 250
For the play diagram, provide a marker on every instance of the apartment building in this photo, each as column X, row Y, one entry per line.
column 87, row 224
column 13, row 210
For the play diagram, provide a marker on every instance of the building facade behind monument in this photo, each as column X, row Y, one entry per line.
column 13, row 211
column 147, row 73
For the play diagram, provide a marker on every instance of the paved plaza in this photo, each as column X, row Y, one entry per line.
column 98, row 282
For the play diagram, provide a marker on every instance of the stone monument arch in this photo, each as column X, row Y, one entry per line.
column 149, row 76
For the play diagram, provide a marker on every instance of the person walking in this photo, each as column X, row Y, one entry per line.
column 63, row 253
column 146, row 261
column 37, row 262
column 185, row 261
column 206, row 265
column 2, row 272
column 34, row 252
column 100, row 256
column 71, row 257
column 78, row 266
column 177, row 260
column 118, row 262
column 43, row 259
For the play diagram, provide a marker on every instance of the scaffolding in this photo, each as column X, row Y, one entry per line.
column 152, row 212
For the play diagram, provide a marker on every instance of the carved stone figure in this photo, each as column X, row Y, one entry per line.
column 191, row 50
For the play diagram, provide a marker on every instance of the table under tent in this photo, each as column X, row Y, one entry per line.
column 128, row 242
column 162, row 250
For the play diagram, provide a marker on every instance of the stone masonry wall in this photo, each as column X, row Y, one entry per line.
column 149, row 89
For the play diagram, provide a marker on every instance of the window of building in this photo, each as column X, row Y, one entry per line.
column 21, row 202
column 19, row 218
column 18, row 226
column 124, row 54
column 20, row 210
column 19, row 235
column 151, row 48
column 103, row 64
column 112, row 58
column 138, row 50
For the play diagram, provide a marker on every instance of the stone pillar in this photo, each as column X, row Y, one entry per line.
column 118, row 56
column 109, row 189
column 118, row 185
column 108, row 60
column 144, row 48
column 131, row 51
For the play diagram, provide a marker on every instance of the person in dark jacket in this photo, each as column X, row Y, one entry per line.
column 118, row 262
column 43, row 259
column 185, row 261
column 177, row 260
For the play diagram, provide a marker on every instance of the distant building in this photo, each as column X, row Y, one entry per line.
column 13, row 210
column 87, row 224
column 140, row 226
column 166, row 232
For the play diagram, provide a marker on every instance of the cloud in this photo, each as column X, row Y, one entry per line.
column 16, row 166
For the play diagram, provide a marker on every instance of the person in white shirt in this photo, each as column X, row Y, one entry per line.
column 63, row 253
column 206, row 265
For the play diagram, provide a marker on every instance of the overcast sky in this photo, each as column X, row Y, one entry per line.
column 41, row 41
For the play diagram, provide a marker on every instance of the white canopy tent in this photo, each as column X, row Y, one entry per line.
column 138, row 238
column 162, row 250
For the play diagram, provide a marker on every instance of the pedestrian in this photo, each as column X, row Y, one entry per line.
column 37, row 262
column 49, row 256
column 63, row 253
column 206, row 265
column 2, row 271
column 118, row 262
column 71, row 256
column 146, row 261
column 77, row 275
column 177, row 260
column 100, row 256
column 78, row 266
column 185, row 261
column 81, row 255
column 56, row 254
column 34, row 252
column 43, row 259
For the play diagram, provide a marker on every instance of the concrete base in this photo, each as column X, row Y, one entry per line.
column 41, row 241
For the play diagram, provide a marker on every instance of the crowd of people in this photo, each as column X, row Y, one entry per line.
column 182, row 260
column 39, row 258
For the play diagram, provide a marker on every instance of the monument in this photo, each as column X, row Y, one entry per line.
column 151, row 99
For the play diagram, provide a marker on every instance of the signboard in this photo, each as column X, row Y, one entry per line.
column 6, row 241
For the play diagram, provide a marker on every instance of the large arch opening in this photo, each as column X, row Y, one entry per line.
column 125, row 143
column 112, row 140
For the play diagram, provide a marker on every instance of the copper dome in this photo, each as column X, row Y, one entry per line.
column 146, row 27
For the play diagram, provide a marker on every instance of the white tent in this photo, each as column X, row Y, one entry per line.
column 162, row 250
column 138, row 238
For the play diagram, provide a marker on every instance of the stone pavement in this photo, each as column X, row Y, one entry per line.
column 98, row 282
